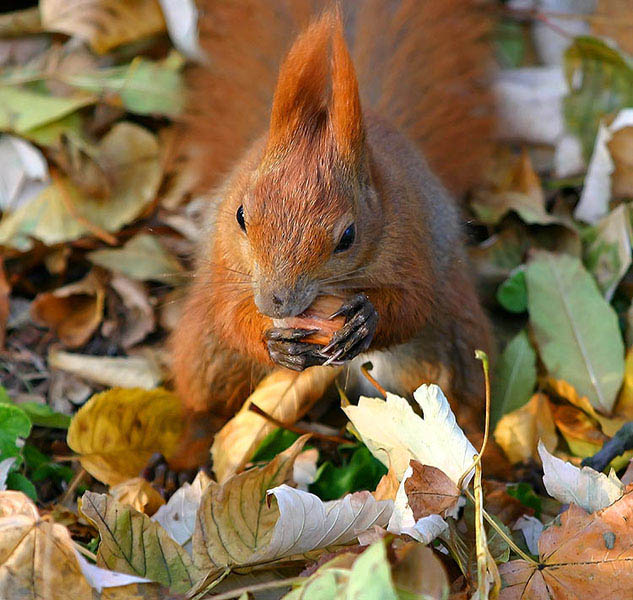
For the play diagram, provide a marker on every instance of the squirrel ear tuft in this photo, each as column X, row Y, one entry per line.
column 345, row 110
column 301, row 93
column 309, row 88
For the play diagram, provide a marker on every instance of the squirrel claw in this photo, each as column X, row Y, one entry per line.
column 165, row 480
column 356, row 335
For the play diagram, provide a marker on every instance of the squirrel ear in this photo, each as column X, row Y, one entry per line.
column 301, row 93
column 345, row 111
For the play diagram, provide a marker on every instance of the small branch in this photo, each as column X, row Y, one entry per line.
column 365, row 371
column 616, row 446
column 300, row 430
column 270, row 585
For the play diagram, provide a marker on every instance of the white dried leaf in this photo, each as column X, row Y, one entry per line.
column 5, row 467
column 99, row 578
column 306, row 523
column 395, row 434
column 532, row 529
column 305, row 468
column 585, row 487
column 178, row 516
column 181, row 17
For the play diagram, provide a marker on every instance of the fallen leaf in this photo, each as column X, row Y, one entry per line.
column 74, row 311
column 430, row 491
column 182, row 25
column 518, row 432
column 515, row 377
column 38, row 559
column 14, row 424
column 512, row 293
column 128, row 372
column 531, row 528
column 395, row 434
column 367, row 576
column 575, row 329
column 582, row 434
column 132, row 543
column 139, row 494
column 419, row 573
column 589, row 489
column 286, row 396
column 306, row 523
column 139, row 314
column 23, row 110
column 608, row 256
column 5, row 467
column 143, row 86
column 235, row 521
column 142, row 258
column 305, row 469
column 178, row 516
column 130, row 156
column 586, row 556
column 116, row 432
column 24, row 172
column 105, row 24
column 387, row 486
column 424, row 529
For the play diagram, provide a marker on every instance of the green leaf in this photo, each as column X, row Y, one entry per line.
column 575, row 328
column 515, row 377
column 369, row 578
column 14, row 424
column 509, row 43
column 17, row 481
column 144, row 87
column 524, row 493
column 142, row 258
column 22, row 110
column 360, row 472
column 600, row 81
column 4, row 395
column 273, row 444
column 43, row 415
column 512, row 293
column 41, row 467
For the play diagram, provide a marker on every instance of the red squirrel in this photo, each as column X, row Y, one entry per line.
column 330, row 194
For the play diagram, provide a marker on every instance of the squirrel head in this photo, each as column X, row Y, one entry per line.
column 306, row 214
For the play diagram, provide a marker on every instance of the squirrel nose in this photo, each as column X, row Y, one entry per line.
column 277, row 301
column 284, row 302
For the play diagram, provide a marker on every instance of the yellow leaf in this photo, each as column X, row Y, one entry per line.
column 286, row 396
column 116, row 432
column 139, row 494
column 105, row 24
column 518, row 432
column 37, row 559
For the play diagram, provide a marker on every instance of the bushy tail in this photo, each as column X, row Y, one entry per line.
column 421, row 64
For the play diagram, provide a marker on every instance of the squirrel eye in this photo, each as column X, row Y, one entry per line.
column 347, row 239
column 240, row 218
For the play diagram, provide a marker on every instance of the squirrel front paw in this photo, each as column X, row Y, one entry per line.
column 287, row 348
column 356, row 335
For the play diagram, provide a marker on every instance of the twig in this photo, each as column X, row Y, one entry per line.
column 300, row 430
column 85, row 551
column 616, row 446
column 270, row 585
column 74, row 484
column 365, row 371
column 97, row 231
column 483, row 357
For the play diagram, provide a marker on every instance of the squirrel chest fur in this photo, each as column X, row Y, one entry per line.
column 333, row 200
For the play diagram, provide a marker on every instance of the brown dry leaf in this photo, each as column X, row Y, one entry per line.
column 387, row 487
column 37, row 559
column 139, row 316
column 419, row 573
column 430, row 491
column 116, row 432
column 235, row 520
column 129, row 372
column 139, row 494
column 586, row 556
column 518, row 432
column 503, row 506
column 105, row 24
column 286, row 396
column 132, row 543
column 621, row 149
column 582, row 434
column 73, row 311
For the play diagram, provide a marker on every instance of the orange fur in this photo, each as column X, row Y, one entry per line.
column 329, row 159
